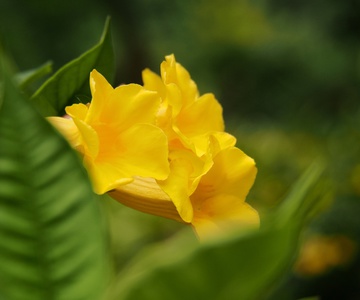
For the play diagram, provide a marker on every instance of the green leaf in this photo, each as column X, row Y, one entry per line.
column 51, row 244
column 235, row 268
column 70, row 84
column 26, row 78
column 241, row 266
column 302, row 200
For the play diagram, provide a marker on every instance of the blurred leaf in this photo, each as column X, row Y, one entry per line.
column 236, row 268
column 51, row 244
column 71, row 83
column 301, row 202
column 242, row 266
column 24, row 79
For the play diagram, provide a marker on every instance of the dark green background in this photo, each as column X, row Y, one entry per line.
column 286, row 72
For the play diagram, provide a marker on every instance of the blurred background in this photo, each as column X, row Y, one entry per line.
column 287, row 74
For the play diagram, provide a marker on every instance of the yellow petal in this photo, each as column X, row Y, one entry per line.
column 179, row 141
column 89, row 138
column 144, row 152
column 173, row 72
column 130, row 104
column 219, row 200
column 174, row 99
column 125, row 105
column 78, row 111
column 213, row 142
column 221, row 214
column 202, row 116
column 67, row 128
column 233, row 173
column 224, row 140
column 164, row 118
column 169, row 93
column 100, row 91
column 141, row 150
column 177, row 187
column 145, row 195
column 186, row 172
column 153, row 82
column 105, row 176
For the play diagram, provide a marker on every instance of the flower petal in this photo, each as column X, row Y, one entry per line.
column 202, row 116
column 153, row 82
column 223, row 140
column 144, row 152
column 89, row 138
column 138, row 151
column 213, row 141
column 100, row 91
column 131, row 104
column 177, row 187
column 223, row 213
column 233, row 173
column 173, row 72
column 105, row 176
column 78, row 111
column 174, row 99
column 186, row 170
column 67, row 128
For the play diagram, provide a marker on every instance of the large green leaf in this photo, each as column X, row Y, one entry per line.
column 241, row 266
column 235, row 268
column 70, row 84
column 51, row 235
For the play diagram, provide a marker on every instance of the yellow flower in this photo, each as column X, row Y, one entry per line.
column 209, row 178
column 186, row 117
column 162, row 149
column 188, row 121
column 321, row 253
column 116, row 134
column 218, row 202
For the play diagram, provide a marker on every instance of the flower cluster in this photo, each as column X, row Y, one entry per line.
column 161, row 148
